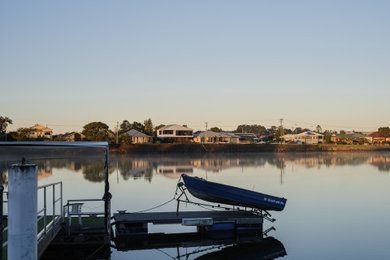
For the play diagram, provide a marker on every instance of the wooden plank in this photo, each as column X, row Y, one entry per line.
column 172, row 218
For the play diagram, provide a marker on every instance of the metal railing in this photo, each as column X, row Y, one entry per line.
column 56, row 199
column 44, row 210
column 74, row 208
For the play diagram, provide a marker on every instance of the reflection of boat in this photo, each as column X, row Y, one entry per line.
column 230, row 245
column 268, row 248
column 220, row 193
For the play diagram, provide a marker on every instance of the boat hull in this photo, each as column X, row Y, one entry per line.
column 225, row 194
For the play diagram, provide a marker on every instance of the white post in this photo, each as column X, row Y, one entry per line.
column 22, row 211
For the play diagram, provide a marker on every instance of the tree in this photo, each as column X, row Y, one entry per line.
column 319, row 129
column 125, row 139
column 258, row 130
column 298, row 130
column 96, row 131
column 4, row 122
column 124, row 127
column 148, row 127
column 22, row 134
column 216, row 129
column 138, row 126
column 327, row 136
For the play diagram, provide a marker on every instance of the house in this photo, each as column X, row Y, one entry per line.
column 379, row 138
column 175, row 134
column 350, row 138
column 247, row 138
column 137, row 137
column 215, row 137
column 38, row 131
column 305, row 138
column 73, row 137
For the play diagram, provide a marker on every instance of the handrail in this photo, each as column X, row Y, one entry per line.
column 46, row 224
column 54, row 204
column 50, row 184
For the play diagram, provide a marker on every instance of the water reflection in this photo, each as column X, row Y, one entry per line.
column 135, row 167
column 220, row 245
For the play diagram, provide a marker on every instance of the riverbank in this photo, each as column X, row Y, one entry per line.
column 240, row 148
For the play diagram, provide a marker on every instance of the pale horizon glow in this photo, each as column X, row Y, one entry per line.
column 65, row 64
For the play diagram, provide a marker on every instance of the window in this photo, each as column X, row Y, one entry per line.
column 183, row 133
column 168, row 132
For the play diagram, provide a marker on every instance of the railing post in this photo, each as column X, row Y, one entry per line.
column 1, row 221
column 54, row 201
column 44, row 209
column 62, row 209
column 22, row 211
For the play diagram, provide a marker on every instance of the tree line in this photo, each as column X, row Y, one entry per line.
column 99, row 131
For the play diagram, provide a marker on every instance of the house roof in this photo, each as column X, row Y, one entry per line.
column 135, row 133
column 246, row 135
column 41, row 128
column 378, row 134
column 175, row 127
column 351, row 135
column 215, row 134
column 307, row 133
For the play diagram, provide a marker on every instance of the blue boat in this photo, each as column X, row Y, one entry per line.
column 225, row 194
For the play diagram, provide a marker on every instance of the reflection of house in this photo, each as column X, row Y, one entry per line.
column 44, row 173
column 174, row 171
column 175, row 133
column 215, row 137
column 41, row 131
column 137, row 137
column 305, row 138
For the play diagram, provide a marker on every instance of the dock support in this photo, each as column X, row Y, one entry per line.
column 22, row 211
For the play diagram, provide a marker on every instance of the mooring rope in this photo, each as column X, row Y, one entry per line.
column 155, row 207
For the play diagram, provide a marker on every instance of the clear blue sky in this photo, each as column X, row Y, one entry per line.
column 67, row 63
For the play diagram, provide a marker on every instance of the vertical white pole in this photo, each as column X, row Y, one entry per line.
column 22, row 211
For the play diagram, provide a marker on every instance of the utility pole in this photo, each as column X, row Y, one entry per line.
column 117, row 132
column 205, row 137
column 281, row 127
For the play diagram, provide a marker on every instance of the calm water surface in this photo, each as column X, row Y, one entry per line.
column 338, row 203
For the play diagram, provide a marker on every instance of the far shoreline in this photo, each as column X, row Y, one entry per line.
column 192, row 148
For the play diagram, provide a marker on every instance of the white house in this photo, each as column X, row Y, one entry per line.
column 175, row 133
column 215, row 137
column 305, row 138
column 41, row 131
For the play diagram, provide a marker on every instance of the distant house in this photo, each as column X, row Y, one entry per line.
column 305, row 138
column 175, row 134
column 247, row 137
column 41, row 131
column 73, row 137
column 215, row 137
column 350, row 138
column 379, row 138
column 137, row 137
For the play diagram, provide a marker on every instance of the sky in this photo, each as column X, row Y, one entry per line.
column 67, row 63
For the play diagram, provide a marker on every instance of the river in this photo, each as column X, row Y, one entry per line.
column 337, row 208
